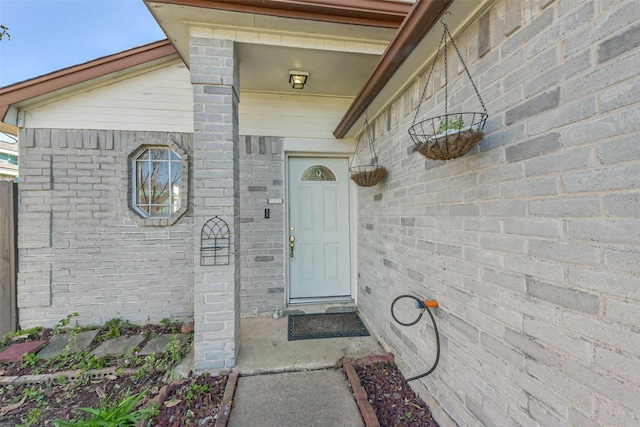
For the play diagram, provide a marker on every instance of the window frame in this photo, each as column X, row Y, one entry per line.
column 334, row 175
column 142, row 217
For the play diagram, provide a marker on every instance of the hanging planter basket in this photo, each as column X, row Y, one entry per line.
column 371, row 174
column 450, row 135
column 367, row 176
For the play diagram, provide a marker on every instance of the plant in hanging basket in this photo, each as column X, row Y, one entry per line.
column 367, row 176
column 448, row 136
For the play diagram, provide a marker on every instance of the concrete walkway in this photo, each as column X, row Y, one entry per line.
column 308, row 398
column 264, row 348
column 293, row 383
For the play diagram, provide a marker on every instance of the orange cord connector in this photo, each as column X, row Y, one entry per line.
column 431, row 303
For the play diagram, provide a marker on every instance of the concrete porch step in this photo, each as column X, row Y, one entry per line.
column 316, row 308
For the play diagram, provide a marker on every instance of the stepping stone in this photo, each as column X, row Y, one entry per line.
column 158, row 344
column 117, row 346
column 16, row 352
column 59, row 342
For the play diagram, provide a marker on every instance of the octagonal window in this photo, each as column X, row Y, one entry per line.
column 157, row 183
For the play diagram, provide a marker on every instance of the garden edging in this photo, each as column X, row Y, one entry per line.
column 362, row 400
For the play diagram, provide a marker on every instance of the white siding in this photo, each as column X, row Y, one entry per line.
column 159, row 100
column 292, row 116
column 162, row 100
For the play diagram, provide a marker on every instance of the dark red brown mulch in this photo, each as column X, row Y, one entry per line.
column 194, row 401
column 393, row 400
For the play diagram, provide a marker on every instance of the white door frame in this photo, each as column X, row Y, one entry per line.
column 352, row 222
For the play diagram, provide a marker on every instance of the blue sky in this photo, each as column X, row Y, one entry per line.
column 47, row 35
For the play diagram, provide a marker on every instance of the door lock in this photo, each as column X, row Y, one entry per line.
column 292, row 242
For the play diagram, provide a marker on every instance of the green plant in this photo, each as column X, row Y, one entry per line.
column 91, row 362
column 115, row 328
column 34, row 394
column 32, row 418
column 173, row 325
column 29, row 359
column 149, row 363
column 63, row 322
column 7, row 338
column 172, row 354
column 21, row 332
column 195, row 389
column 447, row 123
column 113, row 414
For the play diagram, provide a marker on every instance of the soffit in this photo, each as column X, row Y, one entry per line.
column 339, row 56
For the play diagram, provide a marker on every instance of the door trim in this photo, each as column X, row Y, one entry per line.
column 351, row 188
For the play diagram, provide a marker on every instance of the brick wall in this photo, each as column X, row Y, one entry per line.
column 81, row 247
column 214, row 76
column 262, row 245
column 531, row 242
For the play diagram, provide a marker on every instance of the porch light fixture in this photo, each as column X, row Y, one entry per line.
column 298, row 78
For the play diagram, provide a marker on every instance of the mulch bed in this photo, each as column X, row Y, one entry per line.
column 384, row 397
column 192, row 401
column 197, row 400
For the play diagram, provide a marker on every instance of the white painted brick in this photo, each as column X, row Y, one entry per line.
column 624, row 366
column 545, row 414
column 613, row 178
column 502, row 243
column 613, row 388
column 619, row 150
column 578, row 395
column 534, row 227
column 623, row 312
column 510, row 318
column 593, row 329
column 540, row 392
column 532, row 308
column 585, row 206
column 577, row 418
column 545, row 270
column 609, row 283
column 549, row 334
column 574, row 253
column 612, row 413
column 605, row 231
column 623, row 260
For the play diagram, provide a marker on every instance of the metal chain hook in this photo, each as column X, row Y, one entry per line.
column 442, row 18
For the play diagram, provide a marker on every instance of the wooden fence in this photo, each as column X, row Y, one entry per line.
column 8, row 256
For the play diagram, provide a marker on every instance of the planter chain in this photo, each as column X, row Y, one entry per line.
column 450, row 135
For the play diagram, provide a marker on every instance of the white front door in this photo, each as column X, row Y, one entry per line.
column 319, row 249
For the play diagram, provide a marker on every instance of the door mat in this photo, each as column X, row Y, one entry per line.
column 325, row 325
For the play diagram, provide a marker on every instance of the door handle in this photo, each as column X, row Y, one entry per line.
column 292, row 242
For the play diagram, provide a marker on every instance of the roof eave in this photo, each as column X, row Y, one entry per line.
column 378, row 13
column 420, row 20
column 77, row 74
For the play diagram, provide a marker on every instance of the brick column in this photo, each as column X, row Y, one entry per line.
column 216, row 182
